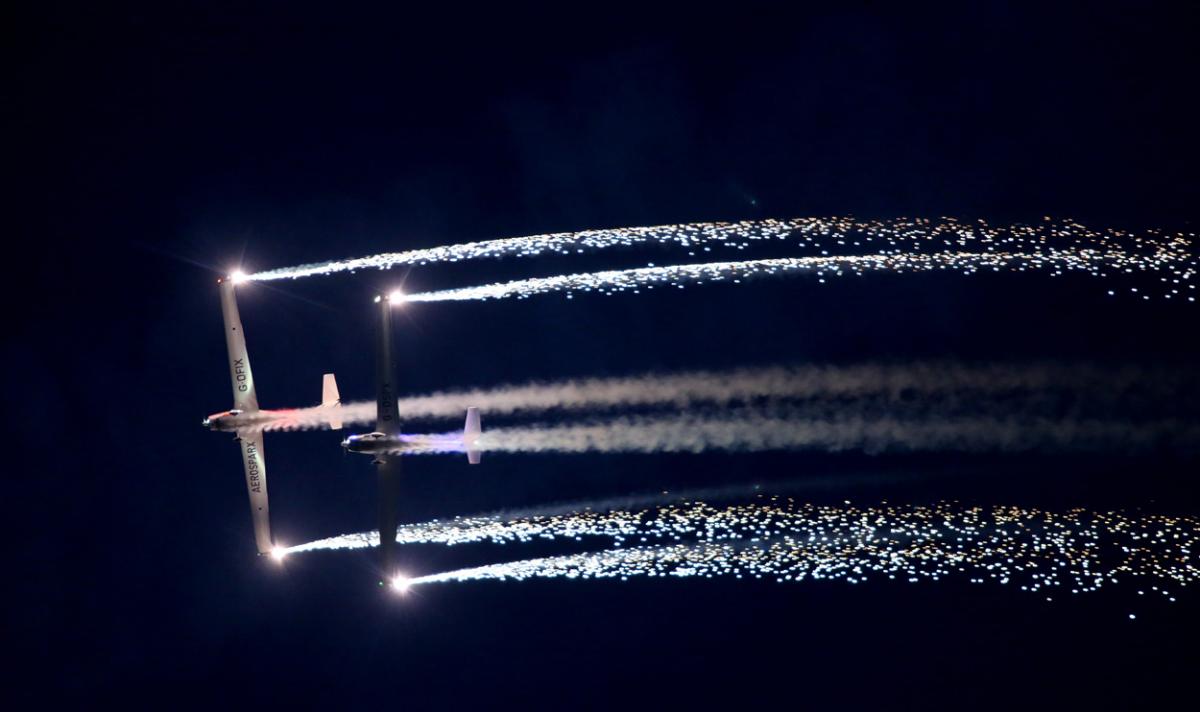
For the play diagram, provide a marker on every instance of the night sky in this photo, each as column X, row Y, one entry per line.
column 152, row 150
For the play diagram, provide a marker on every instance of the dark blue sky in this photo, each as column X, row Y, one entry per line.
column 153, row 148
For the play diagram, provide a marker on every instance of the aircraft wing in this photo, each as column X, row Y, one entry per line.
column 387, row 472
column 256, row 485
column 244, row 396
column 386, row 421
column 246, row 399
column 386, row 418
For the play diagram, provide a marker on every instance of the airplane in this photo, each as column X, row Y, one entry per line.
column 386, row 443
column 237, row 419
column 380, row 443
column 245, row 418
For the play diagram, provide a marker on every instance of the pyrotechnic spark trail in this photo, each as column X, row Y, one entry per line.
column 610, row 282
column 1071, row 552
column 901, row 244
column 1106, row 387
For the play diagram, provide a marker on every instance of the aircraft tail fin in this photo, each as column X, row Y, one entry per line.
column 331, row 401
column 471, row 432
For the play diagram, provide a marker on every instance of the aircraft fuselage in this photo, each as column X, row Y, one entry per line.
column 231, row 421
column 375, row 443
column 225, row 421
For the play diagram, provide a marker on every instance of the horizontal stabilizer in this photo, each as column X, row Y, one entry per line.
column 471, row 436
column 331, row 401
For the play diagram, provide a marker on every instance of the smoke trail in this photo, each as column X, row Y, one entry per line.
column 1103, row 387
column 612, row 281
column 1151, row 249
column 782, row 429
column 1056, row 552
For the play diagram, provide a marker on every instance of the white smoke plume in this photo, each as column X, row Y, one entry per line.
column 751, row 431
column 947, row 382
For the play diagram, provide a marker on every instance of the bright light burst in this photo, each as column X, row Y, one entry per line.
column 401, row 583
column 777, row 538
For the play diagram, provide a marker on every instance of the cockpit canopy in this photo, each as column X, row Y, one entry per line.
column 367, row 436
column 215, row 417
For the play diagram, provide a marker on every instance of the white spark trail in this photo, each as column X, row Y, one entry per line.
column 903, row 244
column 560, row 243
column 616, row 517
column 777, row 538
column 612, row 281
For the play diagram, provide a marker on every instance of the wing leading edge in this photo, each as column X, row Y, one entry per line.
column 386, row 421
